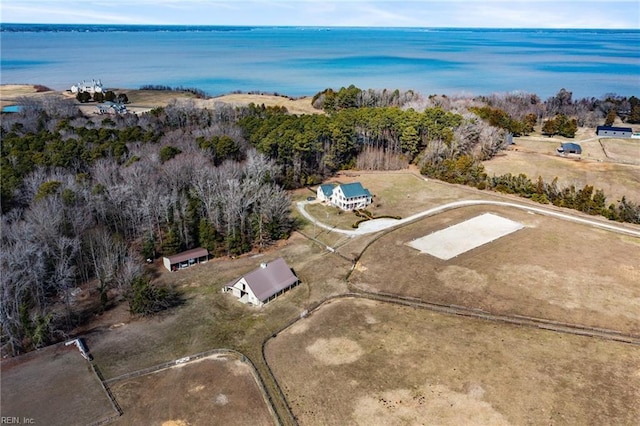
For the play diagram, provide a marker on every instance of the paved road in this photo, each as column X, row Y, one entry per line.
column 376, row 225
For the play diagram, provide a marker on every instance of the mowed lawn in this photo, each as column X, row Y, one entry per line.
column 356, row 361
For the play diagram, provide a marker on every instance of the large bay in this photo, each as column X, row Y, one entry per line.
column 304, row 60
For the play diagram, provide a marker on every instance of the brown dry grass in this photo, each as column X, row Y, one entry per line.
column 622, row 150
column 551, row 269
column 10, row 92
column 213, row 390
column 210, row 319
column 612, row 165
column 53, row 386
column 411, row 366
column 294, row 106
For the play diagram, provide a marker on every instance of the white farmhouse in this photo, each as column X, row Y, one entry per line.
column 263, row 284
column 94, row 86
column 346, row 196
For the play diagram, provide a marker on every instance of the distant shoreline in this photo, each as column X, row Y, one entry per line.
column 22, row 26
column 145, row 100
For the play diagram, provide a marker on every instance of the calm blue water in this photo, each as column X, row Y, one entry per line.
column 303, row 61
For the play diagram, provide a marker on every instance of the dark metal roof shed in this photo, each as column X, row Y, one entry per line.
column 570, row 148
column 188, row 255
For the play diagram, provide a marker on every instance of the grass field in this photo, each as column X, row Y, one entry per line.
column 551, row 269
column 612, row 165
column 212, row 390
column 294, row 106
column 363, row 362
column 53, row 386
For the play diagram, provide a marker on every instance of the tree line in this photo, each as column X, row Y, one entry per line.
column 86, row 200
column 467, row 170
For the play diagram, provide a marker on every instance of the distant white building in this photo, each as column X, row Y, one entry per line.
column 614, row 132
column 346, row 196
column 94, row 86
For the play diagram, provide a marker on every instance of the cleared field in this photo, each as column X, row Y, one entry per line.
column 614, row 179
column 294, row 106
column 551, row 269
column 53, row 386
column 363, row 362
column 623, row 150
column 612, row 165
column 212, row 390
column 10, row 92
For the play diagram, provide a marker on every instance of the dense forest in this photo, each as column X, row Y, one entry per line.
column 88, row 198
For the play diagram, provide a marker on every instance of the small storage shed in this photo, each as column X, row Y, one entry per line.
column 569, row 148
column 263, row 284
column 185, row 259
column 614, row 132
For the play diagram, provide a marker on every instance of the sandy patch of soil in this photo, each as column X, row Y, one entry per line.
column 403, row 406
column 335, row 351
column 461, row 278
column 221, row 399
column 450, row 242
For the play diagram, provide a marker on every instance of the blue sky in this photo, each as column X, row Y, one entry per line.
column 374, row 13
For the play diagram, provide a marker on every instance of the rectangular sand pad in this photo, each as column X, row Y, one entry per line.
column 457, row 239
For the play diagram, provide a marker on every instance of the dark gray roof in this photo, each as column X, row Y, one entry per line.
column 187, row 255
column 614, row 129
column 270, row 278
column 570, row 147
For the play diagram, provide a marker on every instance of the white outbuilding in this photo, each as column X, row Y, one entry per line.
column 263, row 284
column 93, row 86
